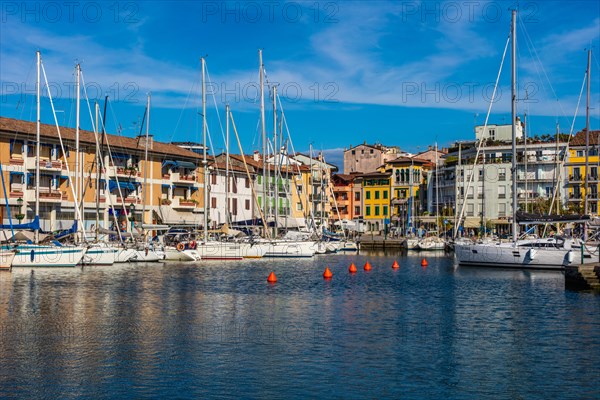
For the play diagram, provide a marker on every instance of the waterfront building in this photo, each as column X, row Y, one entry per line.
column 376, row 193
column 345, row 197
column 368, row 158
column 498, row 133
column 486, row 200
column 576, row 173
column 174, row 179
column 409, row 180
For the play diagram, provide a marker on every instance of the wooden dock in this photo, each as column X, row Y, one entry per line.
column 368, row 242
column 583, row 277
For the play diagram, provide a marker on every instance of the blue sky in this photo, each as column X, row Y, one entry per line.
column 400, row 73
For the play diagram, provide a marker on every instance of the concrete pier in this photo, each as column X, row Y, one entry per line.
column 583, row 277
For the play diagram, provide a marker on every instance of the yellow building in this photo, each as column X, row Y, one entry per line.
column 577, row 174
column 172, row 178
column 409, row 189
column 376, row 194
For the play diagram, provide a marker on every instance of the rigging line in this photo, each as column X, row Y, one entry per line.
column 193, row 88
column 564, row 158
column 537, row 57
column 216, row 108
column 71, row 185
column 481, row 142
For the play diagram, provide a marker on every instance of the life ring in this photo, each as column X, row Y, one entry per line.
column 193, row 244
column 180, row 247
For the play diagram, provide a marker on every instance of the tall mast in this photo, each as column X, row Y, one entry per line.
column 525, row 160
column 275, row 162
column 37, row 148
column 514, row 125
column 144, row 197
column 204, row 161
column 96, row 130
column 227, row 210
column 78, row 178
column 437, row 189
column 587, row 134
column 264, row 131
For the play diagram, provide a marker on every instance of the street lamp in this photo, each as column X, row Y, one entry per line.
column 20, row 215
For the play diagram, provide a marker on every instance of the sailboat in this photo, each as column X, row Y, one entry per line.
column 545, row 253
column 434, row 242
column 37, row 255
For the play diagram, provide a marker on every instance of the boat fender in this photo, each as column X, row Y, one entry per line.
column 180, row 247
column 146, row 251
column 32, row 255
column 532, row 254
column 193, row 244
column 570, row 256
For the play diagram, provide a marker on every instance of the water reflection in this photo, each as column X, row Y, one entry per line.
column 220, row 330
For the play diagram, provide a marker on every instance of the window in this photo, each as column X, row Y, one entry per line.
column 234, row 206
column 480, row 192
column 502, row 209
column 357, row 210
column 371, row 151
column 576, row 173
column 579, row 153
column 353, row 152
column 368, row 195
column 213, row 202
column 234, row 184
column 298, row 206
column 213, row 179
column 299, row 189
column 247, row 182
column 247, row 204
column 385, row 211
column 368, row 211
column 377, row 195
column 259, row 179
column 470, row 210
column 501, row 174
column 501, row 192
column 376, row 210
column 357, row 196
column 470, row 193
column 385, row 194
column 493, row 134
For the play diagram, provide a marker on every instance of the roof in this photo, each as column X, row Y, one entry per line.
column 344, row 177
column 376, row 175
column 15, row 126
column 579, row 138
column 408, row 160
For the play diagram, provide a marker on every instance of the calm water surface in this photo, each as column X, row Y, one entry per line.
column 220, row 330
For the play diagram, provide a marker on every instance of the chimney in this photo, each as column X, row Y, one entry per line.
column 256, row 155
column 429, row 147
column 142, row 141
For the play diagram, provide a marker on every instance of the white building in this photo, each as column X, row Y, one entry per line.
column 498, row 133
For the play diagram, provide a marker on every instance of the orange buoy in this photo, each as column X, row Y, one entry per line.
column 327, row 274
column 352, row 268
column 395, row 265
column 272, row 278
column 367, row 266
column 424, row 262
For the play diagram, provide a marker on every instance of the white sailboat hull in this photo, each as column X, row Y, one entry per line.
column 289, row 248
column 48, row 256
column 172, row 254
column 222, row 250
column 125, row 255
column 146, row 255
column 100, row 255
column 506, row 255
column 429, row 245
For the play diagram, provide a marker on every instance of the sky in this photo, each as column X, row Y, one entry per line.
column 401, row 73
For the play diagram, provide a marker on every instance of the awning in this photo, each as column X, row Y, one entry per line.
column 112, row 185
column 164, row 185
column 500, row 222
column 179, row 164
column 472, row 222
column 16, row 173
column 120, row 156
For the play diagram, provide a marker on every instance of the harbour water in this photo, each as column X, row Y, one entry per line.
column 219, row 330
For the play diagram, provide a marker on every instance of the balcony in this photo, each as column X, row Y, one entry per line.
column 47, row 165
column 124, row 172
column 16, row 161
column 184, row 204
column 316, row 197
column 177, row 177
column 48, row 195
column 117, row 201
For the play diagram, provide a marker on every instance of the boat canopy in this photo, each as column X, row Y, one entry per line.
column 33, row 225
column 524, row 218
